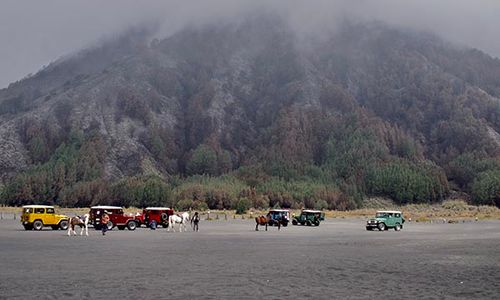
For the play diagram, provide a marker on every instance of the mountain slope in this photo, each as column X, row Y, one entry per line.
column 364, row 103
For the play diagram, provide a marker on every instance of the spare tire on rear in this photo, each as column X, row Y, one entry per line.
column 164, row 217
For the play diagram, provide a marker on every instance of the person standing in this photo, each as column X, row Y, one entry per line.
column 104, row 223
column 195, row 220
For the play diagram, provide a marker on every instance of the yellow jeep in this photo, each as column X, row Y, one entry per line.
column 38, row 216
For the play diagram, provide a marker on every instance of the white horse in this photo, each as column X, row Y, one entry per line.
column 82, row 222
column 176, row 219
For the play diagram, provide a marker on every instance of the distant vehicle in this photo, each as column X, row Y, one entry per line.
column 386, row 219
column 38, row 216
column 154, row 216
column 117, row 218
column 309, row 218
column 278, row 215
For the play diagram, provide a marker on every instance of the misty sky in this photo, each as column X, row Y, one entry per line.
column 34, row 33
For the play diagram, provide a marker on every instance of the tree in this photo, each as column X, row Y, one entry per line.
column 203, row 161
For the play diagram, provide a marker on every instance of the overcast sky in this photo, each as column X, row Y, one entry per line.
column 34, row 33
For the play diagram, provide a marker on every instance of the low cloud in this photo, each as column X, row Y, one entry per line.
column 34, row 33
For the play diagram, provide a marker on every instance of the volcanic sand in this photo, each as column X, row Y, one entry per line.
column 230, row 260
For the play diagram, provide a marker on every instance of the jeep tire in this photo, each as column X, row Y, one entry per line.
column 294, row 222
column 309, row 223
column 397, row 227
column 110, row 225
column 381, row 226
column 38, row 225
column 316, row 223
column 131, row 225
column 64, row 225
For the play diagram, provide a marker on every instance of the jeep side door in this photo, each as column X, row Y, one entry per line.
column 391, row 220
column 40, row 214
column 116, row 216
column 50, row 217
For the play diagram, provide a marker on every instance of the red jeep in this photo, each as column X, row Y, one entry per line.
column 154, row 216
column 116, row 217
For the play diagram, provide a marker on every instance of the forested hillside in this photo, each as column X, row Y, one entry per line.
column 253, row 114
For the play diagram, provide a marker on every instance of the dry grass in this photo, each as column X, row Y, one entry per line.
column 451, row 210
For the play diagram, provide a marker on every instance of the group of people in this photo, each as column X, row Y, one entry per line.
column 195, row 220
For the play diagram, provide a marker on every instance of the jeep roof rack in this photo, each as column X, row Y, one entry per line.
column 311, row 210
column 36, row 205
column 106, row 207
column 157, row 208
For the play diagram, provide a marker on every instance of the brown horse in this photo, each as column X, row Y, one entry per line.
column 262, row 221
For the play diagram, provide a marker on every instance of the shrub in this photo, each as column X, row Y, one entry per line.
column 184, row 204
column 243, row 205
column 405, row 182
column 200, row 205
column 486, row 188
column 321, row 204
column 217, row 192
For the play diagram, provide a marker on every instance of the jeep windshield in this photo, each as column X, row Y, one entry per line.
column 381, row 215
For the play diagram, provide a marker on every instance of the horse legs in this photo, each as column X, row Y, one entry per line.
column 71, row 228
column 84, row 228
column 257, row 227
column 266, row 226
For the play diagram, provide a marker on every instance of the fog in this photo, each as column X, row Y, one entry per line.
column 34, row 33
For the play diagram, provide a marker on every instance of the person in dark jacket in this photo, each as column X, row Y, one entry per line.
column 195, row 220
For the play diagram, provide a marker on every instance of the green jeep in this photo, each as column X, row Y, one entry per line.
column 309, row 218
column 386, row 219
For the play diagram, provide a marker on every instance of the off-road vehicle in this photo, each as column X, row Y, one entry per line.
column 38, row 216
column 154, row 216
column 278, row 215
column 386, row 219
column 309, row 218
column 117, row 217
